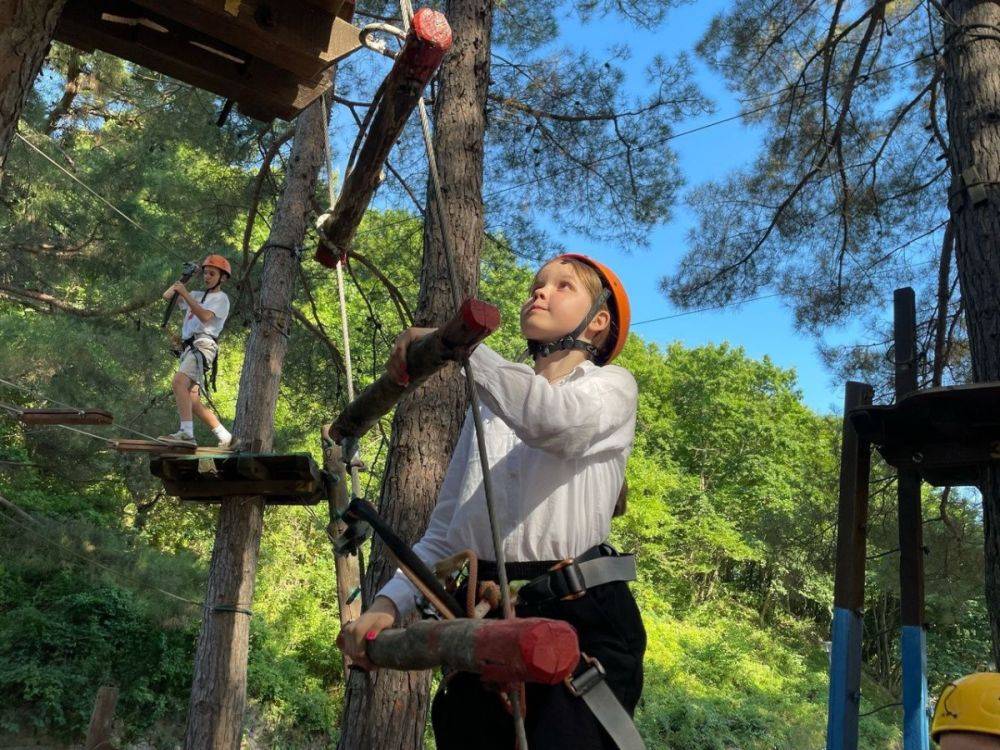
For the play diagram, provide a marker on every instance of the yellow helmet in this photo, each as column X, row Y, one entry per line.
column 969, row 704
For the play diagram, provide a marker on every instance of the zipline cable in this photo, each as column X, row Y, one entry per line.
column 33, row 525
column 171, row 250
column 38, row 394
column 447, row 244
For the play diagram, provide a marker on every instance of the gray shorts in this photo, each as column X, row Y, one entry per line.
column 191, row 365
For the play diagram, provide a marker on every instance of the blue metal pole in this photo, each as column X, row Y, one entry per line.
column 845, row 681
column 849, row 580
column 916, row 729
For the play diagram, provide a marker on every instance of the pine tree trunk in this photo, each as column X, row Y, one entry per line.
column 218, row 691
column 972, row 90
column 26, row 28
column 387, row 710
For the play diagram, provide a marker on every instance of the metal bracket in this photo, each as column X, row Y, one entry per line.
column 971, row 189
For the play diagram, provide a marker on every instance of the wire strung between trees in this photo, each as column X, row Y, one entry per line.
column 26, row 521
column 97, row 195
column 38, row 394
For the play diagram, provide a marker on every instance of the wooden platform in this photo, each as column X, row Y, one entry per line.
column 949, row 435
column 65, row 416
column 291, row 479
column 270, row 58
column 165, row 449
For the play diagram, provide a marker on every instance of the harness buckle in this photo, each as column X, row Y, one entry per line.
column 569, row 584
column 582, row 683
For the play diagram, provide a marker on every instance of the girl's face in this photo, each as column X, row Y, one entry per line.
column 557, row 303
column 211, row 276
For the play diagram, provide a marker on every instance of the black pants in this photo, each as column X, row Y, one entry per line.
column 465, row 714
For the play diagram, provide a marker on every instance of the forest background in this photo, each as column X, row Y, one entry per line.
column 733, row 478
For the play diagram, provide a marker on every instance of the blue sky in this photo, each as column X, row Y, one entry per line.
column 761, row 328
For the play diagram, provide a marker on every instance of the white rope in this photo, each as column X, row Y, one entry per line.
column 344, row 327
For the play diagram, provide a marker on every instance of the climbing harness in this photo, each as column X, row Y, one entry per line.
column 570, row 578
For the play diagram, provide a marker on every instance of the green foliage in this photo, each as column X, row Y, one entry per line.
column 716, row 680
column 62, row 635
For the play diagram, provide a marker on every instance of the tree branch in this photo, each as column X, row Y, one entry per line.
column 398, row 299
column 40, row 301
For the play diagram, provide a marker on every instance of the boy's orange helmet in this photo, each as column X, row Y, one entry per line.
column 618, row 304
column 218, row 262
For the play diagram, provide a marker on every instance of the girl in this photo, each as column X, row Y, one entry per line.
column 558, row 435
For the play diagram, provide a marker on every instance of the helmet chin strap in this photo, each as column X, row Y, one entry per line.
column 214, row 286
column 571, row 340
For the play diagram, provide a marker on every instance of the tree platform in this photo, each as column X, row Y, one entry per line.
column 948, row 435
column 166, row 449
column 65, row 416
column 291, row 479
column 269, row 58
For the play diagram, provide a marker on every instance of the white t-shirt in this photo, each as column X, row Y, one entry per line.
column 217, row 302
column 557, row 454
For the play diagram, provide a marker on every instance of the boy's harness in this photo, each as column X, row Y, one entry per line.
column 209, row 370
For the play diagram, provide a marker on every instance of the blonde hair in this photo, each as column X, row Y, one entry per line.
column 592, row 282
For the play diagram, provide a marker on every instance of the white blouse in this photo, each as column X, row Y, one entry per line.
column 557, row 452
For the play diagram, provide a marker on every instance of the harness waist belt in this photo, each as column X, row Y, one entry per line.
column 189, row 341
column 572, row 579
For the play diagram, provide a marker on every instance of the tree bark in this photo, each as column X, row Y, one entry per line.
column 972, row 90
column 26, row 28
column 387, row 709
column 102, row 719
column 218, row 691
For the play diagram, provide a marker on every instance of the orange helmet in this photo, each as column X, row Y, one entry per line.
column 218, row 262
column 621, row 311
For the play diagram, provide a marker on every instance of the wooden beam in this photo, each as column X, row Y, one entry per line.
column 297, row 36
column 150, row 446
column 261, row 90
column 473, row 322
column 216, row 488
column 425, row 47
column 65, row 416
column 530, row 649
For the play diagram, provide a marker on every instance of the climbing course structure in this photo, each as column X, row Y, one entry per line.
column 941, row 436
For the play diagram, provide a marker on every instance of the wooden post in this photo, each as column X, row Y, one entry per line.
column 26, row 30
column 102, row 719
column 849, row 583
column 530, row 649
column 345, row 567
column 911, row 541
column 218, row 690
column 426, row 44
column 473, row 322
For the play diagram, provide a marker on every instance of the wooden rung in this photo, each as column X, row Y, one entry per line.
column 281, row 479
column 65, row 416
